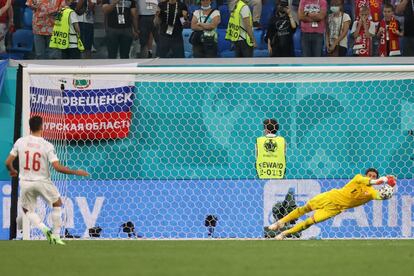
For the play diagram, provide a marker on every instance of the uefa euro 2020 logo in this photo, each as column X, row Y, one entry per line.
column 270, row 146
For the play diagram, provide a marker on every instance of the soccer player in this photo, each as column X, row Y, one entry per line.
column 356, row 192
column 35, row 154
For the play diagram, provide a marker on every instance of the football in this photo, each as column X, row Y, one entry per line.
column 386, row 191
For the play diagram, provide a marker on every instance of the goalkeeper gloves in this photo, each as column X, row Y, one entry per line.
column 381, row 180
column 391, row 180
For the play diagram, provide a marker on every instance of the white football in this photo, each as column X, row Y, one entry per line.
column 386, row 191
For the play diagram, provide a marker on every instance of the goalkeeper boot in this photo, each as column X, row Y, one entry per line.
column 57, row 240
column 48, row 234
column 280, row 237
column 277, row 225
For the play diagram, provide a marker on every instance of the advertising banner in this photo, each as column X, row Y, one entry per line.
column 177, row 209
column 78, row 107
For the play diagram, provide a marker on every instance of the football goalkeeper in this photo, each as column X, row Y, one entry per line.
column 356, row 192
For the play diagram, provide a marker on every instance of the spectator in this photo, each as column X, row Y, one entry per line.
column 122, row 20
column 357, row 5
column 375, row 12
column 406, row 7
column 389, row 33
column 206, row 20
column 312, row 14
column 256, row 6
column 398, row 16
column 146, row 10
column 279, row 35
column 44, row 12
column 363, row 30
column 293, row 6
column 6, row 16
column 240, row 30
column 170, row 17
column 86, row 11
column 66, row 33
column 337, row 30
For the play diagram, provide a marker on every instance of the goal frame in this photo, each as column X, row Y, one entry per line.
column 188, row 69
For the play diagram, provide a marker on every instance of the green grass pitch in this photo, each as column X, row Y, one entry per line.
column 208, row 257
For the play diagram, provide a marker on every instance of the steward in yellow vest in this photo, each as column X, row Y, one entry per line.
column 240, row 30
column 63, row 37
column 271, row 152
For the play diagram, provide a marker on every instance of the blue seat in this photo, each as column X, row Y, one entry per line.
column 223, row 44
column 261, row 49
column 259, row 36
column 297, row 46
column 22, row 41
column 224, row 16
column 16, row 56
column 188, row 47
column 267, row 12
column 324, row 50
column 348, row 8
column 27, row 18
column 228, row 54
column 191, row 9
column 261, row 53
column 19, row 3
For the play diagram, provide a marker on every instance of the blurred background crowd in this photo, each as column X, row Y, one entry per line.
column 37, row 29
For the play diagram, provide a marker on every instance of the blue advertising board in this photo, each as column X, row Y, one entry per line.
column 177, row 209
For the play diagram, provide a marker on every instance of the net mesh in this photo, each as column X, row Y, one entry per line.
column 173, row 156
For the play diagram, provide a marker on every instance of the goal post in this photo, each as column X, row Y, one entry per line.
column 169, row 147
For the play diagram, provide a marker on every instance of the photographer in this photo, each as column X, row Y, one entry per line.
column 279, row 35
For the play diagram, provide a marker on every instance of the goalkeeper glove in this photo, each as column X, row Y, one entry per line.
column 381, row 180
column 391, row 180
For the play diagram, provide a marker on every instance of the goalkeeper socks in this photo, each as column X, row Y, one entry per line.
column 56, row 216
column 36, row 221
column 300, row 226
column 19, row 222
column 295, row 214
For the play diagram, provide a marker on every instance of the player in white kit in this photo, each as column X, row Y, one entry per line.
column 35, row 154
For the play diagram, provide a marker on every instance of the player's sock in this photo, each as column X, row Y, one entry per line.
column 277, row 225
column 56, row 216
column 36, row 221
column 19, row 222
column 19, row 225
column 300, row 226
column 280, row 237
column 295, row 214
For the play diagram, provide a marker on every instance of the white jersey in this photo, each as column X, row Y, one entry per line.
column 35, row 154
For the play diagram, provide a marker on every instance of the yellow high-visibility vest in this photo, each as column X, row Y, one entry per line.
column 234, row 26
column 61, row 32
column 271, row 159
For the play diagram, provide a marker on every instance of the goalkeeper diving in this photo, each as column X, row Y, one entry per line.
column 326, row 205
